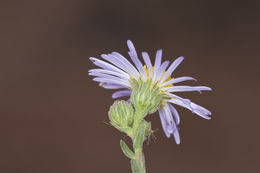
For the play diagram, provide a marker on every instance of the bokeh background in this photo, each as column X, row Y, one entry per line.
column 53, row 116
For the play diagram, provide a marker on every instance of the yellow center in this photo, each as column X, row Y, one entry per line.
column 169, row 78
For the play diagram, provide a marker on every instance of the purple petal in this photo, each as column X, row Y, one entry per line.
column 164, row 123
column 186, row 88
column 110, row 77
column 177, row 80
column 121, row 93
column 168, row 123
column 172, row 67
column 157, row 64
column 101, row 72
column 113, row 60
column 111, row 86
column 162, row 70
column 112, row 81
column 106, row 65
column 175, row 114
column 186, row 103
column 132, row 53
column 132, row 69
column 148, row 63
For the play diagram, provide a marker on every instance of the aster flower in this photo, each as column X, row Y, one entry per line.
column 116, row 72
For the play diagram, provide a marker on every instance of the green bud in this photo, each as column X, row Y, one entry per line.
column 121, row 116
column 145, row 96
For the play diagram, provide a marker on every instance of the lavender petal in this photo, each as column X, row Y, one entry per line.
column 172, row 67
column 132, row 53
column 157, row 64
column 175, row 114
column 186, row 88
column 148, row 63
column 177, row 80
column 186, row 103
column 132, row 69
column 162, row 70
column 121, row 93
column 106, row 65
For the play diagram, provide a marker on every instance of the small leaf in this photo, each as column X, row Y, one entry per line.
column 126, row 150
column 134, row 166
column 139, row 139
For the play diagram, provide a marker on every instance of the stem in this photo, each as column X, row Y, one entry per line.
column 139, row 156
column 139, row 160
column 137, row 121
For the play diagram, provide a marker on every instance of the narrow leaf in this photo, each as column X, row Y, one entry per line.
column 126, row 150
column 139, row 139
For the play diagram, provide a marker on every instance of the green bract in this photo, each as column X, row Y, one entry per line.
column 145, row 96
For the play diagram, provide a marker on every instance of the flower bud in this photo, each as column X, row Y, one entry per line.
column 121, row 116
column 145, row 96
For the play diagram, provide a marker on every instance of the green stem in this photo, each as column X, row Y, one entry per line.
column 140, row 160
column 137, row 121
column 139, row 156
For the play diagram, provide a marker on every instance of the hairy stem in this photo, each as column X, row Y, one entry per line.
column 139, row 160
column 139, row 156
column 137, row 121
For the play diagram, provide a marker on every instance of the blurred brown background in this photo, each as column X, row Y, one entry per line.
column 52, row 114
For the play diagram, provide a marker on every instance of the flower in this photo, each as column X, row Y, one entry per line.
column 118, row 73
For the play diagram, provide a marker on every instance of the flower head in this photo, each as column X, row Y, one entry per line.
column 151, row 86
